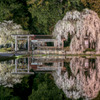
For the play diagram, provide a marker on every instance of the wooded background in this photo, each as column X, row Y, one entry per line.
column 40, row 16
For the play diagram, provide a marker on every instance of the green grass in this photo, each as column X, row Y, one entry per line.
column 22, row 56
column 37, row 55
column 67, row 48
column 82, row 55
column 5, row 49
column 90, row 50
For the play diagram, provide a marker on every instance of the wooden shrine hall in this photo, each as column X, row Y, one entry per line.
column 32, row 42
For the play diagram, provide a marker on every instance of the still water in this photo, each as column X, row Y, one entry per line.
column 50, row 78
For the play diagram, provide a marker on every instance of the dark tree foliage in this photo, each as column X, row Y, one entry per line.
column 6, row 6
column 46, row 13
column 21, row 14
column 44, row 88
column 92, row 4
column 40, row 16
column 5, row 94
column 34, row 87
column 15, row 10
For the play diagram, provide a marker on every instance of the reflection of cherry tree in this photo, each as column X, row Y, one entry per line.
column 8, row 79
column 83, row 80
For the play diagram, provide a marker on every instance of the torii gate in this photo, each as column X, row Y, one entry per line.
column 41, row 38
column 22, row 37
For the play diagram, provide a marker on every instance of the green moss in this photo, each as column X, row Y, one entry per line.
column 83, row 55
column 90, row 50
column 5, row 49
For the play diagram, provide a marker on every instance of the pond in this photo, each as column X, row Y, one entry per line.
column 50, row 78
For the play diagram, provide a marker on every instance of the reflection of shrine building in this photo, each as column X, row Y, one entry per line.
column 78, row 78
column 31, row 65
column 81, row 80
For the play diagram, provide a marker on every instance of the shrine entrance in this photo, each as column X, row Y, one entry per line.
column 32, row 42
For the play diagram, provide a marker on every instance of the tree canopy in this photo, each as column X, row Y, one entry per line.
column 40, row 16
column 92, row 4
column 45, row 14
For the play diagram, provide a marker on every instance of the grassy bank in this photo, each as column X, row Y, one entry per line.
column 5, row 49
column 82, row 54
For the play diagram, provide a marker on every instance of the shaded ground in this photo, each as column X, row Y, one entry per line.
column 9, row 56
column 3, row 58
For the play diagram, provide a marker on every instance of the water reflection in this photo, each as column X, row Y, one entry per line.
column 78, row 77
column 7, row 79
column 32, row 65
column 84, row 79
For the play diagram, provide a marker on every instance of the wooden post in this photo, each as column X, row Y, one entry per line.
column 12, row 46
column 55, row 43
column 16, row 65
column 15, row 43
column 28, row 44
column 28, row 65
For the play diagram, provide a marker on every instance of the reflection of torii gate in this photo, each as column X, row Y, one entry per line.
column 20, row 70
column 36, row 39
column 37, row 66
